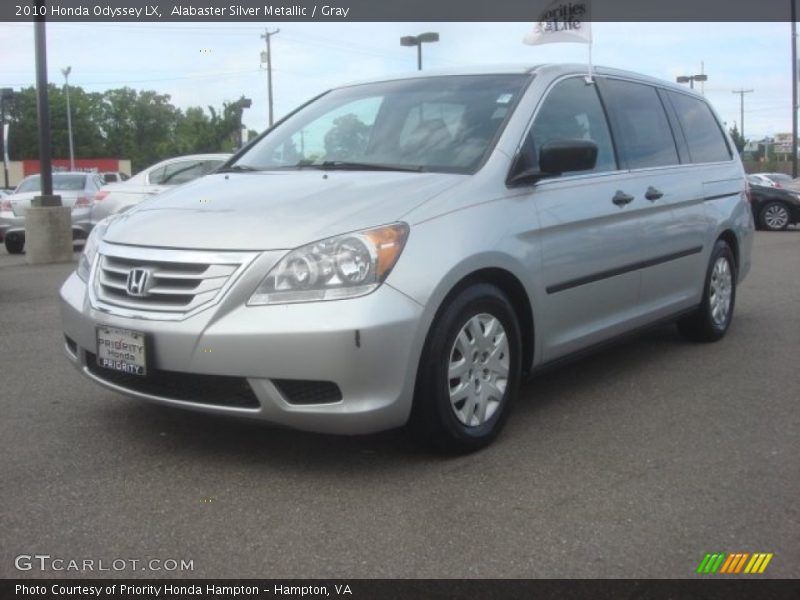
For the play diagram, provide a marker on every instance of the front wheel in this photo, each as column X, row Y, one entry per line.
column 713, row 317
column 469, row 372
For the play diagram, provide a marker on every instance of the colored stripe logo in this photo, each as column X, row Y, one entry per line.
column 734, row 563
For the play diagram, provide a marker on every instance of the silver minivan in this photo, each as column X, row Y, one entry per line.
column 408, row 250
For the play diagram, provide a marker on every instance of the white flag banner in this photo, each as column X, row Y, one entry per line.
column 563, row 21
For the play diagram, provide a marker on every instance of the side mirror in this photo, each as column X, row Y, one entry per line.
column 557, row 157
column 563, row 156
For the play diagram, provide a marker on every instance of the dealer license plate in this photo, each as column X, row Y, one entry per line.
column 121, row 350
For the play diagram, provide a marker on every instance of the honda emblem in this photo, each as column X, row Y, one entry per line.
column 138, row 280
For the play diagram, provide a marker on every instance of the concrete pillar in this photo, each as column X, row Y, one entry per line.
column 48, row 235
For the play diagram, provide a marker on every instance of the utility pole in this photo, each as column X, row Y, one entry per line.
column 741, row 108
column 268, row 56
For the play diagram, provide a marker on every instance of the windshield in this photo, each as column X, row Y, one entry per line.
column 443, row 124
column 60, row 182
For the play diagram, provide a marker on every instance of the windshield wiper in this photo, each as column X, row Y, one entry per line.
column 237, row 169
column 344, row 165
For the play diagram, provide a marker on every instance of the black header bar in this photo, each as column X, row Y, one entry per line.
column 380, row 11
column 401, row 589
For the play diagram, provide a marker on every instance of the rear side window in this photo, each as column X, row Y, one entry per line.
column 644, row 138
column 703, row 134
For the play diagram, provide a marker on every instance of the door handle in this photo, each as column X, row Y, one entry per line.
column 653, row 194
column 621, row 198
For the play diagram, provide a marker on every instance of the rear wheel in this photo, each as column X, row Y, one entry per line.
column 713, row 317
column 469, row 372
column 774, row 216
column 14, row 243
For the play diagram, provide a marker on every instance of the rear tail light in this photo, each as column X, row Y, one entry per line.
column 82, row 201
column 6, row 205
column 100, row 195
column 748, row 192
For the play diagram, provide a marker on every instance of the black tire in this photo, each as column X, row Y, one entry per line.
column 702, row 325
column 433, row 416
column 774, row 216
column 15, row 243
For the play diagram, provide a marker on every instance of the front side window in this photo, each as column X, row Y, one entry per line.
column 443, row 124
column 572, row 111
column 644, row 137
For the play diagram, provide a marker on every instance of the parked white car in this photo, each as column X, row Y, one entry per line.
column 121, row 196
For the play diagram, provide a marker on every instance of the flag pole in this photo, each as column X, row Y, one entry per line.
column 589, row 79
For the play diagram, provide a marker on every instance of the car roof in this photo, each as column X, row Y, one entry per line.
column 551, row 69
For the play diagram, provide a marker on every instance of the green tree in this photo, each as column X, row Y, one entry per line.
column 347, row 138
column 738, row 139
column 142, row 126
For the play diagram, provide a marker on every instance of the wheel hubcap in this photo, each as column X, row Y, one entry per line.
column 720, row 291
column 776, row 217
column 478, row 370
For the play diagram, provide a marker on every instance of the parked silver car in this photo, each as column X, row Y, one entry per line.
column 77, row 191
column 409, row 249
column 123, row 195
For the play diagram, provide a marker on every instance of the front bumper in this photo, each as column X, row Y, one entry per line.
column 366, row 346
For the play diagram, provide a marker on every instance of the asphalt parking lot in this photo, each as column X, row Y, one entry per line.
column 633, row 462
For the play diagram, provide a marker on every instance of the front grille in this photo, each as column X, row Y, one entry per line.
column 171, row 287
column 219, row 390
column 302, row 391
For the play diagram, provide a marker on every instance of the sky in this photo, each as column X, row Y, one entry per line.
column 202, row 64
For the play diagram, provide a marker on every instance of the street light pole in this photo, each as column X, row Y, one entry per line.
column 42, row 107
column 66, row 73
column 690, row 79
column 4, row 93
column 418, row 40
column 243, row 103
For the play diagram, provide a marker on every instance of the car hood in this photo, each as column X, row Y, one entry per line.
column 273, row 210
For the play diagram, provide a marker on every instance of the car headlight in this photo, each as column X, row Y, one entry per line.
column 345, row 266
column 90, row 249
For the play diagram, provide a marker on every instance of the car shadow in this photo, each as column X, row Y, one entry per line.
column 197, row 435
